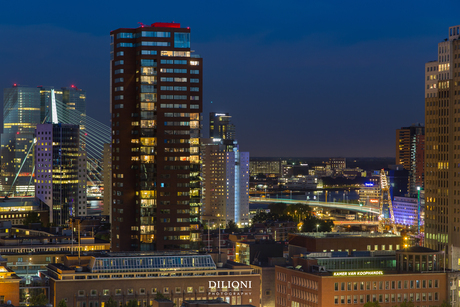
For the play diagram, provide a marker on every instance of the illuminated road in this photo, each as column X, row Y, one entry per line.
column 370, row 223
column 312, row 203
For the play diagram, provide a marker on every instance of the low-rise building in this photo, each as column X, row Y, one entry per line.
column 9, row 285
column 308, row 284
column 406, row 211
column 306, row 242
column 92, row 280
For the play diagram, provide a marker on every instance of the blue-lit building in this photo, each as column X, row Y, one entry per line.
column 406, row 210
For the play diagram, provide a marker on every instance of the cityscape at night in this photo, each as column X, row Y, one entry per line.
column 212, row 154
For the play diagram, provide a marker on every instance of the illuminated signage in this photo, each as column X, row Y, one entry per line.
column 369, row 184
column 374, row 201
column 359, row 273
column 230, row 284
column 229, row 287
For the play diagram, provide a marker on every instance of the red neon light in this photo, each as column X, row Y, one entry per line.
column 373, row 200
column 17, row 132
column 165, row 25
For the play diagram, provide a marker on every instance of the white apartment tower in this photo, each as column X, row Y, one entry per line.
column 225, row 183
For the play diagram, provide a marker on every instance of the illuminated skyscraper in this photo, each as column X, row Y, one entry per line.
column 410, row 152
column 156, row 101
column 60, row 171
column 442, row 158
column 221, row 127
column 21, row 114
column 225, row 175
column 23, row 108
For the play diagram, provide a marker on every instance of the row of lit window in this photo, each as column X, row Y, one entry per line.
column 373, row 285
column 385, row 298
column 142, row 291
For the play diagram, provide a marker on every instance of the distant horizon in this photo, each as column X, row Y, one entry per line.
column 324, row 157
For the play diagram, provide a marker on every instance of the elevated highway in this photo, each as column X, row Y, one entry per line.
column 312, row 203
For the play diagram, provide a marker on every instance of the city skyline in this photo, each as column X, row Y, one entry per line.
column 284, row 105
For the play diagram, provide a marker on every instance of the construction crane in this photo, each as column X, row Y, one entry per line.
column 385, row 198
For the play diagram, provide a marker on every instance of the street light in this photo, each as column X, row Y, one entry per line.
column 317, row 225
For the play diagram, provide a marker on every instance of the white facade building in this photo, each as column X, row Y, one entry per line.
column 225, row 173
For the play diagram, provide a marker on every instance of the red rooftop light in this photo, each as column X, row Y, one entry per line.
column 15, row 84
column 165, row 25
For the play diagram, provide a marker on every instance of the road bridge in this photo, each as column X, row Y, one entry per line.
column 312, row 203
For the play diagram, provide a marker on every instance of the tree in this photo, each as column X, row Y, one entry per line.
column 444, row 304
column 311, row 222
column 111, row 303
column 32, row 217
column 277, row 208
column 62, row 303
column 161, row 296
column 407, row 304
column 231, row 226
column 298, row 211
column 132, row 303
column 372, row 304
column 38, row 300
column 260, row 217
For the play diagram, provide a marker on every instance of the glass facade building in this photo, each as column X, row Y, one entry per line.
column 21, row 114
column 151, row 263
column 23, row 108
column 58, row 164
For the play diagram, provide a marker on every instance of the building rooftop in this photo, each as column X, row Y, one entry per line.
column 354, row 254
column 418, row 249
column 322, row 235
column 18, row 203
column 150, row 262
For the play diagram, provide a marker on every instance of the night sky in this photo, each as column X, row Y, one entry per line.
column 300, row 78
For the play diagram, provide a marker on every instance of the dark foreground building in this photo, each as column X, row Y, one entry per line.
column 156, row 101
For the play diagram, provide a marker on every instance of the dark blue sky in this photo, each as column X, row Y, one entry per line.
column 300, row 78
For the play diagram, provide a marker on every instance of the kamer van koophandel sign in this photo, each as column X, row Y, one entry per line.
column 357, row 273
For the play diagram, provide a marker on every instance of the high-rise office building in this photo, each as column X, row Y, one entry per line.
column 338, row 164
column 221, row 127
column 23, row 108
column 60, row 171
column 442, row 158
column 21, row 114
column 265, row 167
column 156, row 101
column 410, row 152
